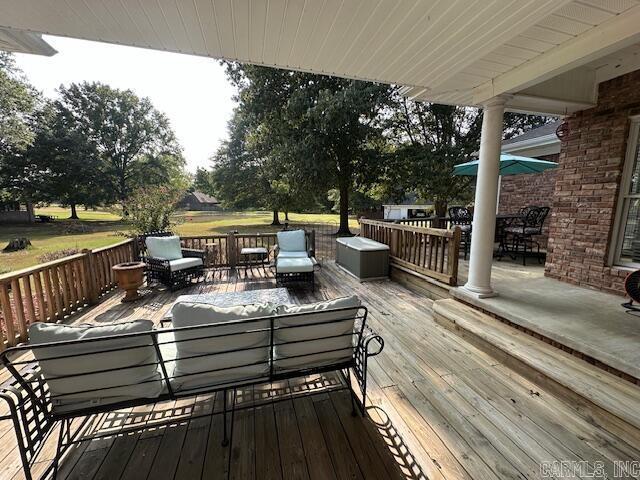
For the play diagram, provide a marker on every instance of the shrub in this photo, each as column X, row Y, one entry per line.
column 150, row 209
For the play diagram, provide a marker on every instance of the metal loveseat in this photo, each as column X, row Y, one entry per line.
column 70, row 372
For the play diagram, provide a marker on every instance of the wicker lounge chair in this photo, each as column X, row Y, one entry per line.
column 170, row 264
column 294, row 261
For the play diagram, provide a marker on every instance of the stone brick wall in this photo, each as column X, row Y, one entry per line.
column 588, row 178
column 517, row 191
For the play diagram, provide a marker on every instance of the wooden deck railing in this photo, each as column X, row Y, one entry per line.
column 432, row 252
column 428, row 222
column 229, row 245
column 50, row 291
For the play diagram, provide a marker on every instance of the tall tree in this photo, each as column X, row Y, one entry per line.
column 68, row 168
column 19, row 105
column 249, row 172
column 203, row 181
column 126, row 131
column 430, row 139
column 323, row 130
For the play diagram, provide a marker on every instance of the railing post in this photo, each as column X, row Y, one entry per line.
column 7, row 314
column 454, row 254
column 232, row 249
column 395, row 242
column 90, row 276
column 312, row 242
column 135, row 248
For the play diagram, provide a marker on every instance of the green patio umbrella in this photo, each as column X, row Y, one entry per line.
column 509, row 165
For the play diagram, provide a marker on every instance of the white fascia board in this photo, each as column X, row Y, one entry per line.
column 532, row 142
column 620, row 31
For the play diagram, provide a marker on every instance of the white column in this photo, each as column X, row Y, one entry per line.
column 484, row 216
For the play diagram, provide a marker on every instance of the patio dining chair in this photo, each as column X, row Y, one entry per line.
column 461, row 216
column 522, row 233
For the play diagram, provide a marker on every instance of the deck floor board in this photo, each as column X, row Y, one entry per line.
column 439, row 408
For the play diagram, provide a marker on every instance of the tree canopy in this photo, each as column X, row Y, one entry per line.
column 19, row 104
column 294, row 136
column 429, row 139
column 133, row 141
column 92, row 145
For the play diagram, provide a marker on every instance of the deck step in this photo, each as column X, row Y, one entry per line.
column 604, row 399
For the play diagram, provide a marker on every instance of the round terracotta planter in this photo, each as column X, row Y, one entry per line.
column 129, row 276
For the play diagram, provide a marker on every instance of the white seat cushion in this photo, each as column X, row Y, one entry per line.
column 292, row 241
column 286, row 254
column 209, row 367
column 254, row 251
column 164, row 248
column 308, row 351
column 135, row 371
column 294, row 265
column 182, row 263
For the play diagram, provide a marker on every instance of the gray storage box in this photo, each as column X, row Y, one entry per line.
column 364, row 258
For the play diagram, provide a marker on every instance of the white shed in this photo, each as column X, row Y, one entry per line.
column 402, row 212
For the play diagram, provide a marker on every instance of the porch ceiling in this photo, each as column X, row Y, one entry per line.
column 449, row 51
column 25, row 42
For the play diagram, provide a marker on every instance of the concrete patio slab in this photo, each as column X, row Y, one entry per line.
column 588, row 321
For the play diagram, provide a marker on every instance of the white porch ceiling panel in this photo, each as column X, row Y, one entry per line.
column 441, row 49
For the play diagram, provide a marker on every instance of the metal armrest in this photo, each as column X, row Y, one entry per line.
column 370, row 345
column 156, row 263
column 371, row 338
column 193, row 253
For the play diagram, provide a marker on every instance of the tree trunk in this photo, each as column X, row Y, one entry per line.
column 441, row 211
column 74, row 213
column 344, row 209
column 286, row 216
column 276, row 218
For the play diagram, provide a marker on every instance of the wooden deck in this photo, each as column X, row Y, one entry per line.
column 439, row 408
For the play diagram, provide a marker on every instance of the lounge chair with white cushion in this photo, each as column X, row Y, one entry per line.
column 294, row 261
column 169, row 263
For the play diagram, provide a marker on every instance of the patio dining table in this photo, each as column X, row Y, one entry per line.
column 503, row 220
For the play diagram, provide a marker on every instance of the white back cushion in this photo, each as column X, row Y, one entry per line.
column 292, row 241
column 165, row 248
column 307, row 351
column 252, row 338
column 135, row 371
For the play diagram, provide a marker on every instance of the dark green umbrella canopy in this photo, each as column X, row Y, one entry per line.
column 509, row 165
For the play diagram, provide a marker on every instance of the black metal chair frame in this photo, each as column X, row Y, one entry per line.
column 522, row 234
column 632, row 288
column 462, row 216
column 29, row 400
column 159, row 270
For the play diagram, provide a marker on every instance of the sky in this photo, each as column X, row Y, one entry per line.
column 192, row 91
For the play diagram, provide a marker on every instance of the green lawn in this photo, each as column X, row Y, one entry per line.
column 100, row 228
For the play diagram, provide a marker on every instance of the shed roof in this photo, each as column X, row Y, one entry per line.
column 204, row 198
